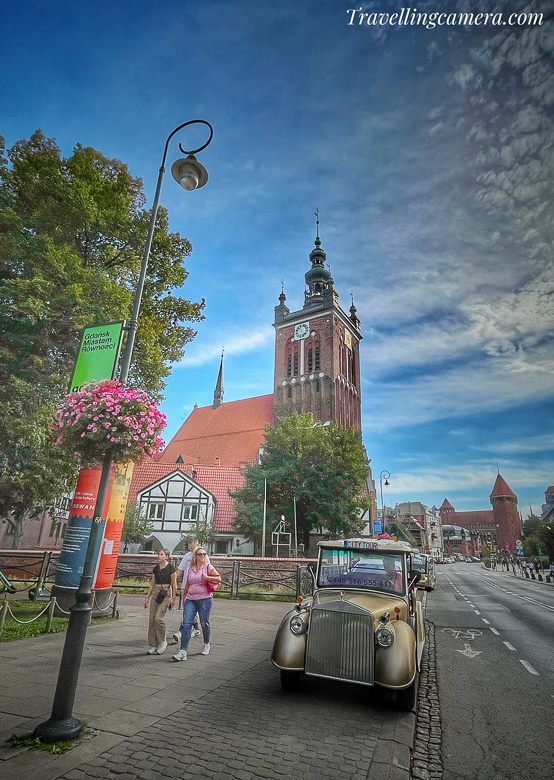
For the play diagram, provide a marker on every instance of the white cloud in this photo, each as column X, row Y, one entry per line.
column 543, row 443
column 477, row 477
column 234, row 344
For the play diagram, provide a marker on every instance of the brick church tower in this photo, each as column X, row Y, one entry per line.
column 506, row 516
column 317, row 355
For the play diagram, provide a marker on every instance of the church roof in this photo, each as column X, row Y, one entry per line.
column 501, row 488
column 447, row 505
column 219, row 480
column 232, row 433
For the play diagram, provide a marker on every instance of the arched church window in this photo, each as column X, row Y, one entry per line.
column 317, row 365
column 295, row 363
column 289, row 366
column 310, row 359
column 317, row 387
column 290, row 392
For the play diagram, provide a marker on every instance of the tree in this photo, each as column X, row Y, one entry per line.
column 136, row 526
column 530, row 525
column 72, row 231
column 546, row 536
column 323, row 467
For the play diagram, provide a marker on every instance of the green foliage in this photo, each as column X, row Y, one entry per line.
column 34, row 743
column 545, row 534
column 72, row 232
column 323, row 466
column 486, row 551
column 136, row 526
column 530, row 525
column 205, row 533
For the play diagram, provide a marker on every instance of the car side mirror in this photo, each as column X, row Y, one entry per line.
column 414, row 576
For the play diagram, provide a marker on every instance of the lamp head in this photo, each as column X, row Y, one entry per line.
column 189, row 173
column 387, row 483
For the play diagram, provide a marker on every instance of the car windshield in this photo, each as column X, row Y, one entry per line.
column 360, row 569
column 419, row 563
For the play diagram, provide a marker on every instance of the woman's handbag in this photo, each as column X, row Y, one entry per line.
column 211, row 586
column 161, row 597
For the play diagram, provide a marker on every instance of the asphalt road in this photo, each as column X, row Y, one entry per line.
column 495, row 664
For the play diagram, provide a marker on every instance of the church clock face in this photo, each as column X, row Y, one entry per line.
column 301, row 331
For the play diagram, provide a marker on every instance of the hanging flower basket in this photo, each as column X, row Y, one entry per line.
column 108, row 418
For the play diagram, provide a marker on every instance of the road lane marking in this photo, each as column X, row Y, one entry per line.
column 524, row 598
column 476, row 611
column 494, row 631
column 528, row 666
column 485, row 621
column 508, row 645
column 468, row 652
column 472, row 605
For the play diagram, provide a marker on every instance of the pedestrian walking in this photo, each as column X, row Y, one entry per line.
column 183, row 567
column 162, row 593
column 202, row 579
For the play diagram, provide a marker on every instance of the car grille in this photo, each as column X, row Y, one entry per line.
column 340, row 643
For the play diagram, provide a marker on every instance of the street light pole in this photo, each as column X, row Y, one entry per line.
column 62, row 725
column 386, row 475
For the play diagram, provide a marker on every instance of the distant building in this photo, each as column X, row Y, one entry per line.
column 424, row 523
column 500, row 526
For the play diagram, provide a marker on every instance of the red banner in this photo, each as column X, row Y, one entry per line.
column 107, row 562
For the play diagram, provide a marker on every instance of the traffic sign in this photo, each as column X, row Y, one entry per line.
column 519, row 550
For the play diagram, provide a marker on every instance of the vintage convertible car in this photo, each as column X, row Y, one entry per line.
column 424, row 565
column 363, row 624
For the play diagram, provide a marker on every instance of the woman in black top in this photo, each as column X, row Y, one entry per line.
column 161, row 594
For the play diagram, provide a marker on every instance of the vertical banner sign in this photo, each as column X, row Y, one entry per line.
column 107, row 562
column 98, row 354
column 74, row 549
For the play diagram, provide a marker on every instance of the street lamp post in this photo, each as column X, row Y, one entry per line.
column 61, row 725
column 386, row 475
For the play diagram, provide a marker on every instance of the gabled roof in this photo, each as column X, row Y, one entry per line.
column 501, row 488
column 447, row 505
column 219, row 480
column 226, row 436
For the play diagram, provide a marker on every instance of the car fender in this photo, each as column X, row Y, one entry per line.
column 395, row 666
column 289, row 650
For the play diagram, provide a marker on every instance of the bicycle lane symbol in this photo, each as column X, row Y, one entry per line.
column 470, row 634
column 467, row 636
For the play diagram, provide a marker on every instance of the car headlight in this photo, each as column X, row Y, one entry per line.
column 384, row 636
column 298, row 625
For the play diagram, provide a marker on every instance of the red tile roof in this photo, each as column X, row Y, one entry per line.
column 219, row 480
column 501, row 488
column 231, row 433
column 446, row 504
column 473, row 519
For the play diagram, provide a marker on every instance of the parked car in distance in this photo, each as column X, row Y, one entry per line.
column 363, row 624
column 424, row 565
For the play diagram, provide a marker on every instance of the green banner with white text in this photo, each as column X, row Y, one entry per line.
column 98, row 354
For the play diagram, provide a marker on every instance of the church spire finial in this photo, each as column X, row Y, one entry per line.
column 316, row 214
column 219, row 389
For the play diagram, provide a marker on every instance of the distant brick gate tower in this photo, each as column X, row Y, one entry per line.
column 506, row 515
column 317, row 354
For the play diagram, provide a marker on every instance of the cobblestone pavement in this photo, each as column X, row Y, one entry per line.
column 427, row 761
column 218, row 716
column 251, row 729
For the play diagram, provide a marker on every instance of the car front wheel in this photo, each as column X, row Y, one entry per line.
column 289, row 680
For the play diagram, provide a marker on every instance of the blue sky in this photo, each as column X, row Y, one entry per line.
column 430, row 155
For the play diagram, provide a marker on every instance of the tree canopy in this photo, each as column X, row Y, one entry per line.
column 323, row 467
column 72, row 232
